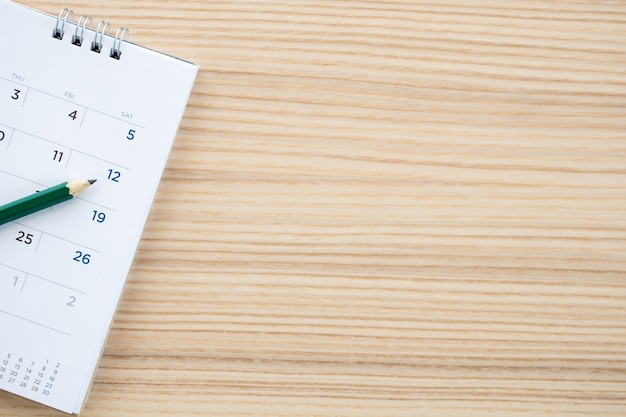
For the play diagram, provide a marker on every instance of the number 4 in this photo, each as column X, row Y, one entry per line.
column 73, row 114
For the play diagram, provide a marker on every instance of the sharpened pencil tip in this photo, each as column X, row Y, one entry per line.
column 91, row 181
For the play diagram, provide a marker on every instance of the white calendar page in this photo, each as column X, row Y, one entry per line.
column 68, row 113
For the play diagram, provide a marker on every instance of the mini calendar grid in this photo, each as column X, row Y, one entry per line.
column 100, row 108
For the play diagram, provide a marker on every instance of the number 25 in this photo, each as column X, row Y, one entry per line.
column 24, row 237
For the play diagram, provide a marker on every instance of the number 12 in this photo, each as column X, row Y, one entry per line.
column 114, row 175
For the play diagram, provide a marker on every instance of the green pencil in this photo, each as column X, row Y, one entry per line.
column 41, row 200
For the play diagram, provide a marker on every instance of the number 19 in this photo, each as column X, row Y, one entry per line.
column 98, row 216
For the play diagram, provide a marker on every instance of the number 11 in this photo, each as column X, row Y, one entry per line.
column 58, row 155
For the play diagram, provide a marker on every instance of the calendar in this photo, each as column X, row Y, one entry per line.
column 77, row 101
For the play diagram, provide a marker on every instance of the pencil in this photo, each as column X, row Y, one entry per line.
column 42, row 200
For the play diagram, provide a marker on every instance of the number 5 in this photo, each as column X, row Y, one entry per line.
column 131, row 134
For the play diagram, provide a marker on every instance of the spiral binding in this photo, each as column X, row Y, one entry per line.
column 120, row 35
column 103, row 29
column 61, row 20
column 84, row 24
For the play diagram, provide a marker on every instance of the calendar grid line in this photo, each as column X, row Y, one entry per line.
column 27, row 274
column 11, row 136
column 23, row 283
column 38, row 242
column 102, row 206
column 67, row 161
column 66, row 147
column 35, row 322
column 82, row 119
column 25, row 96
column 73, row 102
column 58, row 237
column 100, row 159
column 44, row 185
column 114, row 117
column 22, row 178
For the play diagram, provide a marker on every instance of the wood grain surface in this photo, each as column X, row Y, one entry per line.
column 398, row 208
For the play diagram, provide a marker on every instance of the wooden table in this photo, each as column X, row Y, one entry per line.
column 409, row 208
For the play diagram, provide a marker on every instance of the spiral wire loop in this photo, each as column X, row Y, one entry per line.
column 104, row 28
column 121, row 35
column 65, row 15
column 83, row 23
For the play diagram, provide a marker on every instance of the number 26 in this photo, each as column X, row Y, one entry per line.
column 83, row 258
